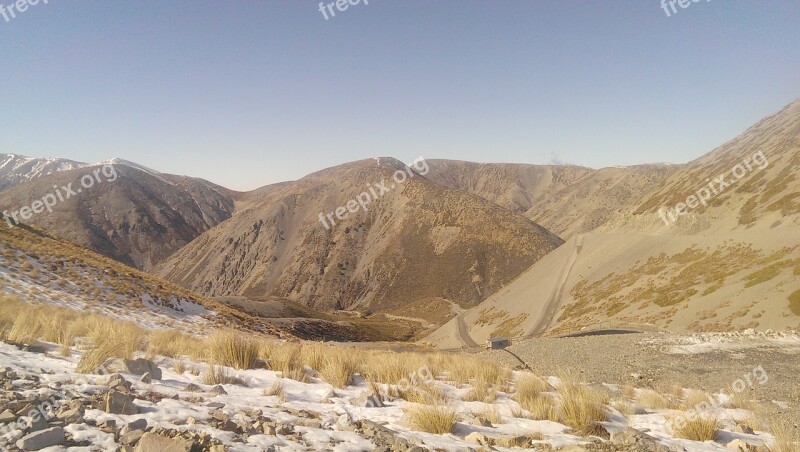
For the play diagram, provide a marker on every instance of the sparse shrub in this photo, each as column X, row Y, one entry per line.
column 434, row 419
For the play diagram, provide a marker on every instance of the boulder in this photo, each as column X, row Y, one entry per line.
column 43, row 438
column 142, row 366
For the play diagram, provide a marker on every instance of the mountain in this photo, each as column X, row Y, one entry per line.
column 715, row 245
column 412, row 241
column 122, row 210
column 16, row 169
column 566, row 200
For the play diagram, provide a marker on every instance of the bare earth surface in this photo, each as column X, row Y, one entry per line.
column 707, row 361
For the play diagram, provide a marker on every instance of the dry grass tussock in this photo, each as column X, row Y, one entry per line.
column 492, row 414
column 581, row 407
column 653, row 400
column 276, row 390
column 787, row 436
column 218, row 375
column 696, row 428
column 233, row 349
column 435, row 419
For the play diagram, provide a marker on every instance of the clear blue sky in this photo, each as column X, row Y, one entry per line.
column 248, row 92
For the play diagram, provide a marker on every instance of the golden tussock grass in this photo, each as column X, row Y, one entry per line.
column 581, row 407
column 425, row 394
column 481, row 392
column 110, row 339
column 491, row 414
column 276, row 390
column 697, row 428
column 787, row 436
column 540, row 407
column 694, row 398
column 178, row 367
column 233, row 349
column 434, row 419
column 653, row 400
column 172, row 343
column 531, row 385
column 219, row 375
column 338, row 369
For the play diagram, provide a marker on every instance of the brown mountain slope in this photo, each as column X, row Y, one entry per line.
column 564, row 199
column 730, row 265
column 129, row 213
column 420, row 240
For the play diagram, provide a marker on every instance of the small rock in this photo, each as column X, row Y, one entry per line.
column 7, row 416
column 481, row 421
column 116, row 381
column 146, row 379
column 191, row 420
column 119, row 403
column 131, row 438
column 153, row 442
column 218, row 390
column 191, row 387
column 138, row 424
column 479, row 439
column 513, row 441
column 142, row 366
column 368, row 400
column 343, row 424
column 44, row 438
column 744, row 428
column 72, row 412
column 215, row 405
column 741, row 446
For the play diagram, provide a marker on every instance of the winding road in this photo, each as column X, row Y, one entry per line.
column 554, row 302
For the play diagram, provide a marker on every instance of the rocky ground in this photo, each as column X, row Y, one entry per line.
column 711, row 362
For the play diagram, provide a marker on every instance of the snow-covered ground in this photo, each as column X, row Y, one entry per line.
column 311, row 416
